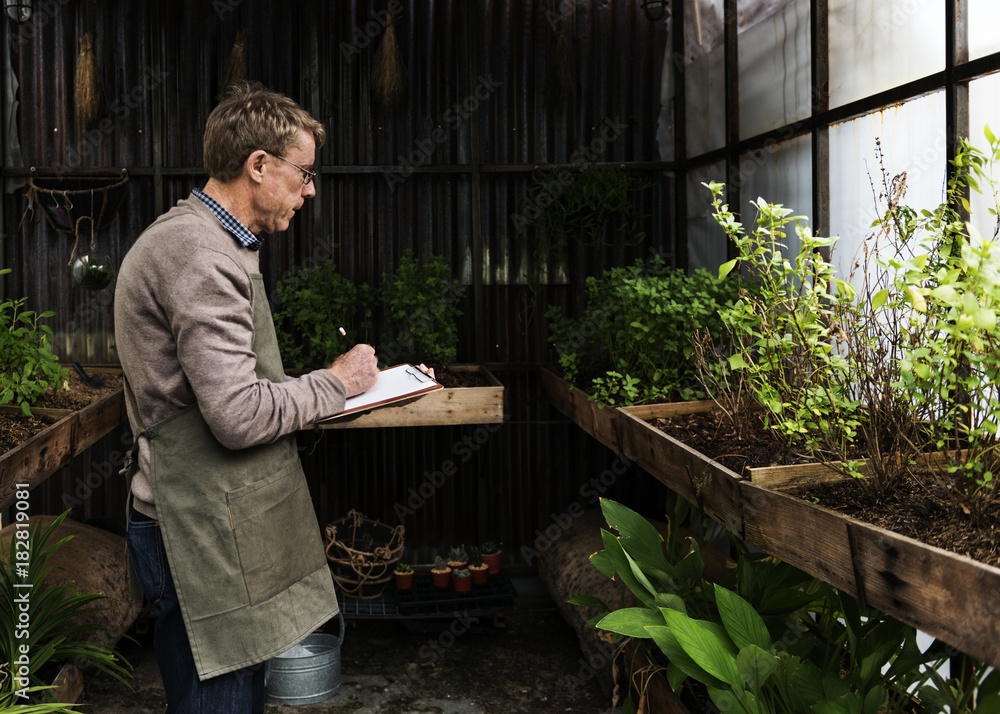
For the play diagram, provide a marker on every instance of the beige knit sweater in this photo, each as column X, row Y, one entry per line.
column 184, row 333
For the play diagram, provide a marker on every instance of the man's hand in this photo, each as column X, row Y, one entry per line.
column 357, row 370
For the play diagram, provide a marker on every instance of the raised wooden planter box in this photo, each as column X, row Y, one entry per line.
column 444, row 407
column 34, row 460
column 951, row 597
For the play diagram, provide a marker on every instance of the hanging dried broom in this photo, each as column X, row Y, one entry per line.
column 88, row 91
column 388, row 73
column 236, row 65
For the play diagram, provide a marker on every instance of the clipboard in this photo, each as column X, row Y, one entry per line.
column 394, row 384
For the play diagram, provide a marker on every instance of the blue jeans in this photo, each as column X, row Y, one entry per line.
column 239, row 692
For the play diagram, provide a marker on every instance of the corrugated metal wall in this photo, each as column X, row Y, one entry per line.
column 445, row 173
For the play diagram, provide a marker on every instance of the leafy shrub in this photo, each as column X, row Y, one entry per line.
column 315, row 303
column 784, row 332
column 633, row 343
column 28, row 368
column 421, row 313
column 768, row 638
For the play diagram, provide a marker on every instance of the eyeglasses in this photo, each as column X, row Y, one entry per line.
column 307, row 175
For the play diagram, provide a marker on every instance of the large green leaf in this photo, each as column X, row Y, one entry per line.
column 756, row 666
column 625, row 568
column 675, row 653
column 631, row 621
column 708, row 646
column 742, row 622
column 638, row 537
column 602, row 561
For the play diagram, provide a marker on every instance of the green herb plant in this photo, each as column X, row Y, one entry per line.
column 784, row 330
column 947, row 285
column 634, row 340
column 421, row 311
column 55, row 634
column 28, row 368
column 315, row 303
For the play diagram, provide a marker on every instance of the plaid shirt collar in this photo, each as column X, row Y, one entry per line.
column 230, row 222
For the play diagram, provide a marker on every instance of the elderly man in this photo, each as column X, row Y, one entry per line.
column 222, row 534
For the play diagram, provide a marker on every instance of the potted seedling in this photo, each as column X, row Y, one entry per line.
column 403, row 575
column 440, row 573
column 458, row 559
column 480, row 571
column 461, row 580
column 490, row 551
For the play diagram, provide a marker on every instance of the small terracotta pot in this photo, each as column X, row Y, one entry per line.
column 480, row 574
column 441, row 578
column 493, row 562
column 404, row 581
column 462, row 585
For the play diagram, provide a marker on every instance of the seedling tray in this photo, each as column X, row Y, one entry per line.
column 425, row 600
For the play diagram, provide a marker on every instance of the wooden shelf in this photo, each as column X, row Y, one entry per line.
column 946, row 595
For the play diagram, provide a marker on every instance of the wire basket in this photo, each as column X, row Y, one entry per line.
column 362, row 554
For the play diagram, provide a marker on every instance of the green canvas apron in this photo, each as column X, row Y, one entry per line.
column 240, row 531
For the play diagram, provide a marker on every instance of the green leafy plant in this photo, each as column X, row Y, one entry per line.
column 42, row 617
column 946, row 287
column 28, row 368
column 403, row 568
column 475, row 556
column 315, row 303
column 766, row 637
column 489, row 547
column 11, row 702
column 421, row 311
column 634, row 340
column 461, row 573
column 784, row 331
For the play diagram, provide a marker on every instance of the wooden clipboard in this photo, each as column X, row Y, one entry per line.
column 403, row 381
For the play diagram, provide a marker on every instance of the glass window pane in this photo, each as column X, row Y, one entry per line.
column 984, row 108
column 984, row 18
column 705, row 87
column 706, row 241
column 780, row 173
column 913, row 140
column 876, row 45
column 774, row 68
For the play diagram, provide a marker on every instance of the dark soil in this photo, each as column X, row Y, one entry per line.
column 15, row 429
column 452, row 378
column 924, row 507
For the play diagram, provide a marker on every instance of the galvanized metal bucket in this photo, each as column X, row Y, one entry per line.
column 298, row 678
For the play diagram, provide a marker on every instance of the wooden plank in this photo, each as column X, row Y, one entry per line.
column 953, row 598
column 449, row 406
column 600, row 423
column 647, row 412
column 68, row 684
column 34, row 460
column 98, row 419
column 798, row 475
column 814, row 539
column 704, row 482
column 36, row 411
